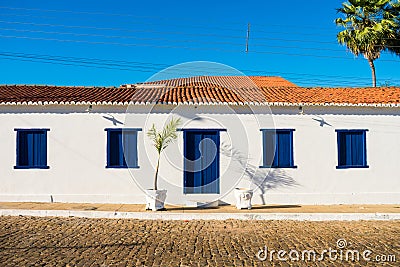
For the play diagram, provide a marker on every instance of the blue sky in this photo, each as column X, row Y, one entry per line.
column 108, row 43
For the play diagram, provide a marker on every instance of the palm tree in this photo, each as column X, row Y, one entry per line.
column 394, row 43
column 161, row 140
column 371, row 26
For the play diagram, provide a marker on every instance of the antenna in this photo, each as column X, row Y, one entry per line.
column 247, row 37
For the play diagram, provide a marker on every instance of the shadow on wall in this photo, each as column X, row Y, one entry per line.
column 114, row 121
column 262, row 179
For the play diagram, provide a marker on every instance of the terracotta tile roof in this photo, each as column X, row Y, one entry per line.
column 334, row 96
column 226, row 81
column 44, row 94
column 265, row 81
column 210, row 94
column 202, row 90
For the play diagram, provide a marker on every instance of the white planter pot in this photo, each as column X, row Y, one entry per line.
column 155, row 199
column 243, row 198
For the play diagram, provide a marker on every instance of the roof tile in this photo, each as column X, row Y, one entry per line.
column 202, row 89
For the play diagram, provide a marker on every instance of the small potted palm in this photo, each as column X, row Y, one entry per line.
column 161, row 139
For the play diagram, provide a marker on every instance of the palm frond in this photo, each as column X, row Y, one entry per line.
column 370, row 27
column 161, row 139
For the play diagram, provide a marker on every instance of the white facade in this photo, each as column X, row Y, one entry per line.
column 76, row 145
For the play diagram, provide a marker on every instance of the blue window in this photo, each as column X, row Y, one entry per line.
column 278, row 148
column 201, row 161
column 31, row 149
column 122, row 148
column 352, row 149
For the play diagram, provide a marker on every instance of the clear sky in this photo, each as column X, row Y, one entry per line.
column 108, row 43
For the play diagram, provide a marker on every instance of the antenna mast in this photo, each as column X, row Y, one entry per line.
column 247, row 37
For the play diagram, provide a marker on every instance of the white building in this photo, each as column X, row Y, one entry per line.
column 293, row 145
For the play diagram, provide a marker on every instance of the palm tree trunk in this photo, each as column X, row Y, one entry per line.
column 156, row 175
column 372, row 65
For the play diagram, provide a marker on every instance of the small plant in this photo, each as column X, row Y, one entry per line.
column 161, row 139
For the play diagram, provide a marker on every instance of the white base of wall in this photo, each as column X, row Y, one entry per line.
column 327, row 198
column 111, row 199
column 25, row 198
column 267, row 199
column 205, row 216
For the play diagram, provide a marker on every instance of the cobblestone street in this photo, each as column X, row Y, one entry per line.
column 51, row 241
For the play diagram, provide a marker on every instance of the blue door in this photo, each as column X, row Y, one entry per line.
column 201, row 162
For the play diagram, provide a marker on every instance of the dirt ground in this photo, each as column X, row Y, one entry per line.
column 52, row 241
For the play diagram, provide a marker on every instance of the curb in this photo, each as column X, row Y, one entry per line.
column 204, row 216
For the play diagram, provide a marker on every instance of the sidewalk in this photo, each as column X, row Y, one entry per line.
column 259, row 212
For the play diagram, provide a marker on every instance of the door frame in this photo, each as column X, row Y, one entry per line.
column 201, row 130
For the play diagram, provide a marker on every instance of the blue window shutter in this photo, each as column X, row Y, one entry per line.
column 130, row 148
column 122, row 148
column 115, row 151
column 108, row 148
column 356, row 149
column 364, row 152
column 189, row 166
column 39, row 149
column 210, row 144
column 291, row 160
column 214, row 187
column 342, row 148
column 28, row 149
column 278, row 148
column 284, row 149
column 214, row 179
column 23, row 149
column 193, row 164
column 351, row 148
column 114, row 154
column 197, row 174
column 347, row 148
column 269, row 148
column 36, row 146
column 205, row 147
column 31, row 148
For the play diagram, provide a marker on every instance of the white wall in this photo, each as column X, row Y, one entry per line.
column 77, row 154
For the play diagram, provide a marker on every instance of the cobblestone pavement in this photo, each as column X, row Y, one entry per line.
column 51, row 241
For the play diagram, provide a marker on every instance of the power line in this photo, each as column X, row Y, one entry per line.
column 151, row 67
column 180, row 25
column 167, row 40
column 27, row 15
column 117, row 15
column 114, row 43
column 65, row 64
column 119, row 36
column 178, row 47
column 315, row 56
column 152, row 71
column 114, row 64
column 167, row 33
column 77, row 60
column 158, row 32
column 150, row 17
column 161, row 39
column 118, row 29
column 325, row 82
column 238, row 30
column 152, row 31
